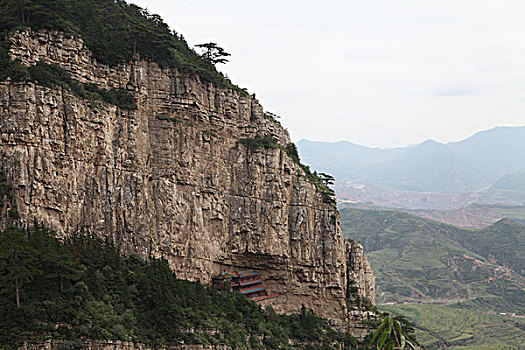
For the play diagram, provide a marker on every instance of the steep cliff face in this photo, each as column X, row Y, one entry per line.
column 184, row 188
column 360, row 289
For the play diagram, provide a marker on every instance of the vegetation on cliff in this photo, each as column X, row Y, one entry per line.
column 114, row 31
column 81, row 288
column 52, row 75
column 319, row 180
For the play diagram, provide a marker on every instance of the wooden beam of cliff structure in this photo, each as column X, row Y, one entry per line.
column 249, row 284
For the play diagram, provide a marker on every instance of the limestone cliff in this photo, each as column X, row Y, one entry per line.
column 187, row 191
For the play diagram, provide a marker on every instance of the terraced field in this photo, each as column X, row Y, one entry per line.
column 456, row 281
column 416, row 259
column 453, row 327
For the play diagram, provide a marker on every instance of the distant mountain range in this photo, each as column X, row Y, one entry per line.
column 470, row 165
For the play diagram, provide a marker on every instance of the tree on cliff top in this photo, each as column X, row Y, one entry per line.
column 213, row 53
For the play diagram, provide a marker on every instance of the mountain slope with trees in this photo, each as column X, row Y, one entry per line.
column 82, row 289
column 115, row 31
column 426, row 261
column 451, row 283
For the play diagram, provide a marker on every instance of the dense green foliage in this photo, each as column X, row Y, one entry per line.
column 114, row 31
column 321, row 182
column 453, row 327
column 83, row 289
column 9, row 68
column 266, row 142
column 51, row 75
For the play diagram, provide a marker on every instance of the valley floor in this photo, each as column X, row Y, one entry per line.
column 452, row 327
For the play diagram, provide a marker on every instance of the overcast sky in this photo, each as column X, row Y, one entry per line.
column 379, row 73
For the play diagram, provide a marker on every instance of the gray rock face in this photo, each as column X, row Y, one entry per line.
column 186, row 191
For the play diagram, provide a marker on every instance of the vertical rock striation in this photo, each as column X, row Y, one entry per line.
column 184, row 188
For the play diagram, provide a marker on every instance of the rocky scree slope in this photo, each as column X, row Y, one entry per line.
column 170, row 179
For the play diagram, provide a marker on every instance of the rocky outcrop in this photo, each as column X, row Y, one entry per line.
column 360, row 272
column 187, row 191
column 360, row 291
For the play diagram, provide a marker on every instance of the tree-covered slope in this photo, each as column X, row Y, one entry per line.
column 422, row 260
column 83, row 289
column 113, row 30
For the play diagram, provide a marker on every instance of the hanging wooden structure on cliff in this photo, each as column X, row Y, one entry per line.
column 248, row 283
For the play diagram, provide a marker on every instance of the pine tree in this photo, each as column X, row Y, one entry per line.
column 17, row 259
column 213, row 53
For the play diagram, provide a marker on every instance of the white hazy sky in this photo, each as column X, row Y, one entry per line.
column 380, row 72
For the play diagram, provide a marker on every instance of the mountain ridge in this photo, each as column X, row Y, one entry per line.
column 469, row 165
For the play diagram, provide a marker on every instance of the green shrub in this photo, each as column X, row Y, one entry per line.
column 272, row 117
column 9, row 68
column 168, row 118
column 265, row 142
column 50, row 75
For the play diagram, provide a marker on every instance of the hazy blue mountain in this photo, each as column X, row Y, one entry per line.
column 429, row 166
column 494, row 152
column 508, row 189
column 469, row 165
column 344, row 159
column 510, row 181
